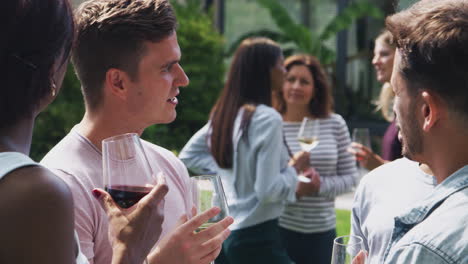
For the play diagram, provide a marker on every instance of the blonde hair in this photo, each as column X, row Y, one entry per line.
column 385, row 102
column 386, row 37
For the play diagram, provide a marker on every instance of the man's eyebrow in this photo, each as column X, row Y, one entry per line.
column 167, row 65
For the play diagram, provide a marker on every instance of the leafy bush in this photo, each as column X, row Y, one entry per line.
column 202, row 59
column 54, row 123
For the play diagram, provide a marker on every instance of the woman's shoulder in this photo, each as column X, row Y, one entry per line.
column 264, row 112
column 334, row 118
column 265, row 119
column 36, row 183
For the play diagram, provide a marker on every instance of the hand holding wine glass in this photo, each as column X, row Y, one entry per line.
column 348, row 250
column 128, row 176
column 208, row 192
column 199, row 239
column 184, row 245
column 309, row 134
column 308, row 138
column 133, row 234
column 361, row 148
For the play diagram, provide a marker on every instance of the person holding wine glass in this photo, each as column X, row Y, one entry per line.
column 243, row 142
column 384, row 52
column 430, row 84
column 127, row 58
column 36, row 207
column 308, row 224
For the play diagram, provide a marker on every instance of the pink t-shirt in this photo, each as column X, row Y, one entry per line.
column 79, row 163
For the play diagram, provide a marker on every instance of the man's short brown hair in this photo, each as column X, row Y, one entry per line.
column 111, row 34
column 432, row 39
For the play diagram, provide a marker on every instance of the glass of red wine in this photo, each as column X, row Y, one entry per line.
column 128, row 176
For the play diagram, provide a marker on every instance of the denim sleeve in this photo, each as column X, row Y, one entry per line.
column 274, row 181
column 416, row 254
column 196, row 153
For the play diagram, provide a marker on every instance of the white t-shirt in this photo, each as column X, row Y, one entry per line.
column 79, row 163
column 382, row 195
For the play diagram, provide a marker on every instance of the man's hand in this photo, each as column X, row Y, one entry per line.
column 133, row 233
column 360, row 258
column 185, row 246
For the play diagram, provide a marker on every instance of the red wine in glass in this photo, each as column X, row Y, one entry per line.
column 127, row 196
column 127, row 173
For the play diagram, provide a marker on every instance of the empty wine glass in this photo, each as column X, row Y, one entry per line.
column 361, row 136
column 128, row 176
column 208, row 192
column 349, row 250
column 308, row 136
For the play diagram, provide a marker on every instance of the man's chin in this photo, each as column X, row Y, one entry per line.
column 167, row 120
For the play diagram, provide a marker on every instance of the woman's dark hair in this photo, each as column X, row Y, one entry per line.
column 36, row 35
column 321, row 104
column 248, row 85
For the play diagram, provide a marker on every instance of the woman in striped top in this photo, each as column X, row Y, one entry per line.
column 308, row 225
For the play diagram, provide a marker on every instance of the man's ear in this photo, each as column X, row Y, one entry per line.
column 431, row 109
column 116, row 82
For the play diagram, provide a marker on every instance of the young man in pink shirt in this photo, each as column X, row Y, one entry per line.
column 127, row 58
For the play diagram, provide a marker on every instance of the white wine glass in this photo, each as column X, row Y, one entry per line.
column 208, row 192
column 349, row 250
column 361, row 136
column 128, row 177
column 308, row 138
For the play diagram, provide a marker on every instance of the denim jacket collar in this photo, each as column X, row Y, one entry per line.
column 452, row 184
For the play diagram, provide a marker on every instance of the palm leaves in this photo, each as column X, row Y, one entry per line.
column 303, row 39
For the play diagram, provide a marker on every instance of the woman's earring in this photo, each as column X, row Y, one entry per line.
column 53, row 88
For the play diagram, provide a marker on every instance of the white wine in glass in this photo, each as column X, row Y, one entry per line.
column 308, row 136
column 208, row 192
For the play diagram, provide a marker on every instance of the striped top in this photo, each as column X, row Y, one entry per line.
column 337, row 169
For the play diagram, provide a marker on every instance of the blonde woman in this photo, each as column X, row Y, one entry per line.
column 384, row 51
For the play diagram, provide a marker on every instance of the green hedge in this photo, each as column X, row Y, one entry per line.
column 202, row 59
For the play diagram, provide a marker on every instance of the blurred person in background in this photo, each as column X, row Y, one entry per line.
column 384, row 52
column 430, row 84
column 243, row 142
column 308, row 224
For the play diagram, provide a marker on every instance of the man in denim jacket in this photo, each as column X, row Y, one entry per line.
column 430, row 81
